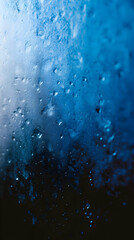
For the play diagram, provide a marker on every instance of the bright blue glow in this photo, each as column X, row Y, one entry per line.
column 67, row 80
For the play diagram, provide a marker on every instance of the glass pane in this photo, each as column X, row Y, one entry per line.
column 66, row 118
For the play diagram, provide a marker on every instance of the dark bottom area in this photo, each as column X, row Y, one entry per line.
column 55, row 206
column 112, row 217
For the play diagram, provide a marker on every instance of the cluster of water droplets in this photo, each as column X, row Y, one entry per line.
column 66, row 86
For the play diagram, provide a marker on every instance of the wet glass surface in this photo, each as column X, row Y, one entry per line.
column 66, row 119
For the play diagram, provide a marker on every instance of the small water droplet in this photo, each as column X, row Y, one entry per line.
column 85, row 79
column 27, row 122
column 13, row 138
column 58, row 82
column 37, row 134
column 114, row 154
column 87, row 205
column 19, row 110
column 48, row 65
column 67, row 90
column 102, row 78
column 60, row 122
column 55, row 94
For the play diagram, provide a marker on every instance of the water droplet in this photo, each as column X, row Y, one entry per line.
column 61, row 136
column 114, row 154
column 48, row 65
column 71, row 83
column 13, row 138
column 111, row 139
column 9, row 161
column 62, row 13
column 57, row 71
column 67, row 91
column 15, row 113
column 87, row 205
column 37, row 134
column 117, row 66
column 55, row 94
column 19, row 110
column 85, row 79
column 98, row 110
column 102, row 78
column 40, row 82
column 58, row 82
column 60, row 122
column 27, row 122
